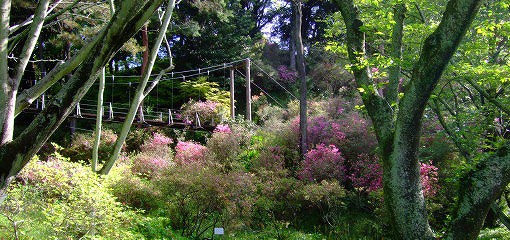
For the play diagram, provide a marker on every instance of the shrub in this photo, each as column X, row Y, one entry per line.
column 429, row 179
column 58, row 199
column 155, row 155
column 323, row 163
column 195, row 197
column 190, row 152
column 207, row 111
column 82, row 143
column 270, row 159
column 366, row 173
column 224, row 146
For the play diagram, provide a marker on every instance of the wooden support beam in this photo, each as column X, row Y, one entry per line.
column 248, row 89
column 232, row 100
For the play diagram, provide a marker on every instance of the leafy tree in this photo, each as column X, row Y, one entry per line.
column 397, row 117
column 16, row 152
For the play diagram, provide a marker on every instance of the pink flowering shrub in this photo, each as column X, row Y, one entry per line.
column 429, row 179
column 320, row 129
column 224, row 147
column 366, row 173
column 322, row 163
column 287, row 75
column 272, row 159
column 189, row 152
column 154, row 156
column 222, row 128
column 156, row 143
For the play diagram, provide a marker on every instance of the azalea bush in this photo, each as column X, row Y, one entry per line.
column 224, row 147
column 323, row 163
column 208, row 111
column 190, row 152
column 154, row 156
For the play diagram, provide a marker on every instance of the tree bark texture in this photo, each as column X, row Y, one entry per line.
column 14, row 81
column 300, row 65
column 125, row 23
column 480, row 188
column 399, row 139
column 5, row 10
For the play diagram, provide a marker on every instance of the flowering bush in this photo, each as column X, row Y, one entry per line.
column 272, row 159
column 155, row 155
column 366, row 173
column 321, row 129
column 323, row 163
column 207, row 111
column 287, row 75
column 189, row 152
column 222, row 129
column 429, row 179
column 81, row 146
column 224, row 146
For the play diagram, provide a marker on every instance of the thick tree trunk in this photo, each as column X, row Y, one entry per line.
column 480, row 188
column 16, row 154
column 140, row 94
column 300, row 64
column 399, row 138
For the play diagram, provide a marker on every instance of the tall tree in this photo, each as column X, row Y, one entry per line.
column 398, row 128
column 300, row 65
column 87, row 64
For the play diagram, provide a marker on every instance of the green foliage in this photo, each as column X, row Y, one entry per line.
column 58, row 199
column 81, row 145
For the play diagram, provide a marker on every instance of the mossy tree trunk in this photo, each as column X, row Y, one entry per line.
column 15, row 154
column 398, row 129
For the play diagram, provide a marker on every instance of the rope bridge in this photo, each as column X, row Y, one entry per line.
column 175, row 118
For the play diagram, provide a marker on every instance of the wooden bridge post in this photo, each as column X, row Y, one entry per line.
column 248, row 89
column 110, row 115
column 170, row 118
column 232, row 101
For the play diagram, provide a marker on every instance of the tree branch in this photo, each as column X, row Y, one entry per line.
column 480, row 188
column 138, row 98
column 399, row 12
column 486, row 95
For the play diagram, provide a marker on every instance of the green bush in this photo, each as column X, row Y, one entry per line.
column 58, row 199
column 81, row 146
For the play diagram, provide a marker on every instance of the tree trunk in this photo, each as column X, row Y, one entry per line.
column 5, row 10
column 99, row 110
column 99, row 121
column 139, row 95
column 399, row 139
column 14, row 81
column 300, row 64
column 16, row 154
column 480, row 188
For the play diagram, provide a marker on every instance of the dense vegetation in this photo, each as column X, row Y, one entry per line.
column 399, row 129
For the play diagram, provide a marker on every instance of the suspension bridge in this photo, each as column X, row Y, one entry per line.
column 116, row 112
